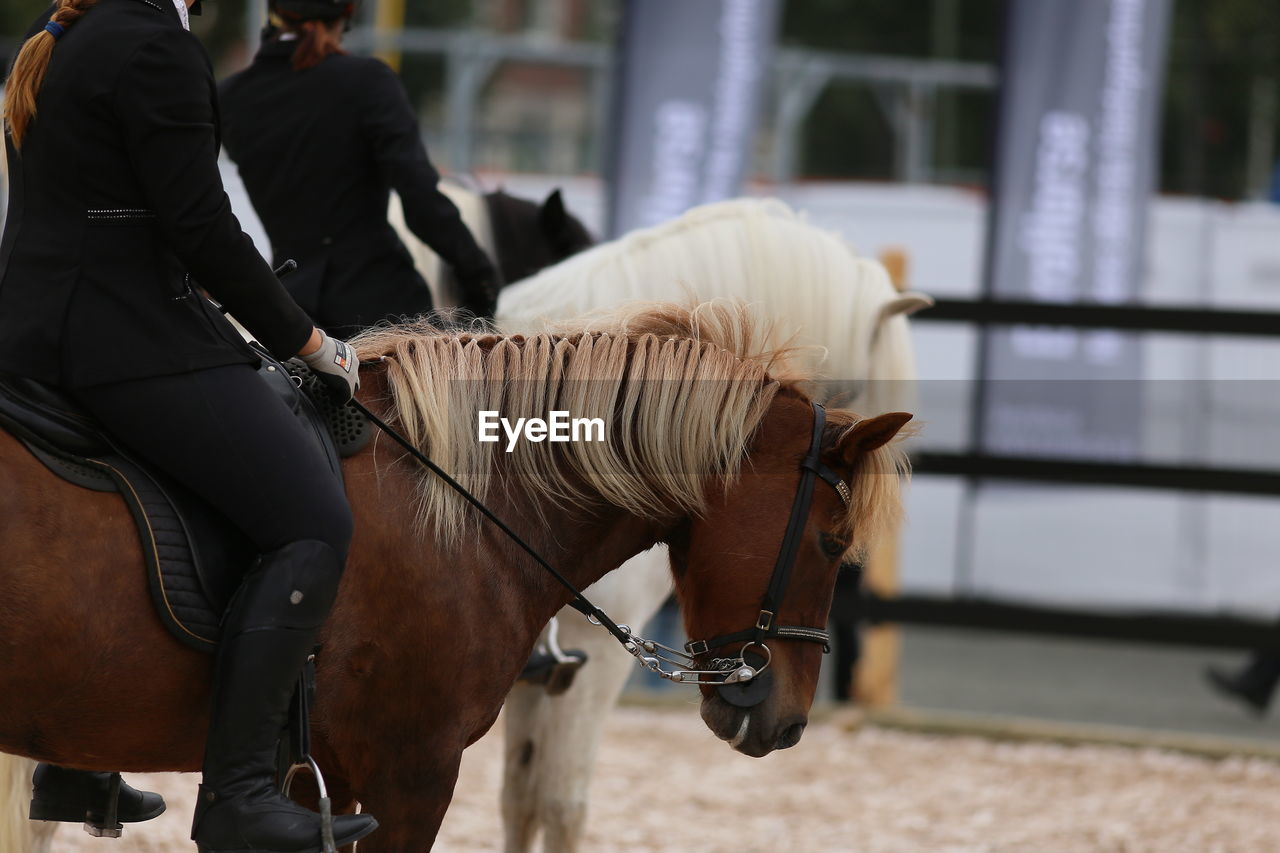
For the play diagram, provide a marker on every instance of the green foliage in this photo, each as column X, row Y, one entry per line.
column 221, row 26
column 894, row 27
column 16, row 17
column 848, row 134
column 1222, row 57
column 439, row 13
column 1221, row 53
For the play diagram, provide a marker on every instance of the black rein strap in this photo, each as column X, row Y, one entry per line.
column 579, row 603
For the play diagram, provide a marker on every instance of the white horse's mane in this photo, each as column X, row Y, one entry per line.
column 812, row 286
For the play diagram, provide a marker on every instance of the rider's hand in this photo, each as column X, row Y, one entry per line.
column 481, row 299
column 479, row 289
column 335, row 365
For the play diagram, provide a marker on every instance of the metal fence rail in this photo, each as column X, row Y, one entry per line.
column 1141, row 318
column 1238, row 481
column 1148, row 626
column 1209, row 630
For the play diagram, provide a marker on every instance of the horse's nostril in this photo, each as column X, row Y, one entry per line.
column 790, row 736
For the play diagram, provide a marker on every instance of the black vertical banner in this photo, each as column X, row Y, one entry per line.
column 691, row 73
column 1077, row 153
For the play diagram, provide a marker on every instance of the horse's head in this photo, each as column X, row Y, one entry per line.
column 755, row 573
column 531, row 236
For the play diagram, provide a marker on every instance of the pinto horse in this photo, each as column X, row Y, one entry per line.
column 437, row 612
column 521, row 236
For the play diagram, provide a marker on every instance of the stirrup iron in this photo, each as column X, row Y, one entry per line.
column 326, row 804
column 301, row 752
column 109, row 826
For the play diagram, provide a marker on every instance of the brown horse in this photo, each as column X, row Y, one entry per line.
column 437, row 611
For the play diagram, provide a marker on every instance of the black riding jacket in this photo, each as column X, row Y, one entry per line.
column 319, row 152
column 117, row 213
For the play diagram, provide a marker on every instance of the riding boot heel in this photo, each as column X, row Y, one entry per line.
column 75, row 796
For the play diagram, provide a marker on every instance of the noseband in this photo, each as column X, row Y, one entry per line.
column 738, row 678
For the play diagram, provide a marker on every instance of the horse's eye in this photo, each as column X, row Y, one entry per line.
column 833, row 546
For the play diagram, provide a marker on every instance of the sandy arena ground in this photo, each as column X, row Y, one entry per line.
column 665, row 784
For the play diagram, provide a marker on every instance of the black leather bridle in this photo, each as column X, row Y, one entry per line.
column 748, row 692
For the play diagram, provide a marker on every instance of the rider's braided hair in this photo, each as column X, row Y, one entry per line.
column 316, row 41
column 316, row 26
column 32, row 63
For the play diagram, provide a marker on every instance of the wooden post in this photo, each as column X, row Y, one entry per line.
column 388, row 22
column 894, row 261
column 875, row 676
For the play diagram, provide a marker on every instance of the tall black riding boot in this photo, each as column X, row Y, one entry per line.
column 1254, row 685
column 60, row 793
column 268, row 631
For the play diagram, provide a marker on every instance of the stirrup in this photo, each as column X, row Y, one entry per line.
column 326, row 805
column 109, row 826
column 300, row 754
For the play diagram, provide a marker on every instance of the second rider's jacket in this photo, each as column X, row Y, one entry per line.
column 319, row 151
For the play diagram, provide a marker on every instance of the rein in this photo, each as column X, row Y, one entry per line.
column 736, row 672
column 579, row 603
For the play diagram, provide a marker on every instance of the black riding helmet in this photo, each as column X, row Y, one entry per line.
column 312, row 10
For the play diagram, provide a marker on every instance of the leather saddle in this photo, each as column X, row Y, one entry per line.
column 195, row 558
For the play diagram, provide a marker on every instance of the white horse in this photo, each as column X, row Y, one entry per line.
column 818, row 292
column 17, row 834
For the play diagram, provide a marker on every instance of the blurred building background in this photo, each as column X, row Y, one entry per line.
column 874, row 90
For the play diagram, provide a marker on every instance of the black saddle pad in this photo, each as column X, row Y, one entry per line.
column 195, row 558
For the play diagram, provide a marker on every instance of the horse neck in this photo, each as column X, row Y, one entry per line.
column 582, row 547
column 505, row 591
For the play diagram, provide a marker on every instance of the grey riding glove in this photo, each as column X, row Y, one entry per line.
column 336, row 366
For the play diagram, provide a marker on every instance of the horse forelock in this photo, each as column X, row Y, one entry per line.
column 680, row 391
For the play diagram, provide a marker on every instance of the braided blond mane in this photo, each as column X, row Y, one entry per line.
column 681, row 390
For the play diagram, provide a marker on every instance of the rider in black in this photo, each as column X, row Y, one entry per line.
column 321, row 138
column 117, row 224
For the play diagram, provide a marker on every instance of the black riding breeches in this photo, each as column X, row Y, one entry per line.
column 225, row 435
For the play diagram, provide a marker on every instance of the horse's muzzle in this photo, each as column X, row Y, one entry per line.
column 790, row 736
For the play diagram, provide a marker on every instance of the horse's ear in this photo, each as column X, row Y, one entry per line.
column 552, row 217
column 907, row 303
column 870, row 434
